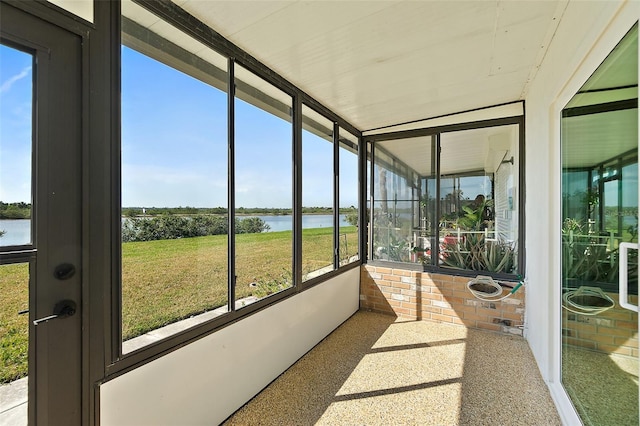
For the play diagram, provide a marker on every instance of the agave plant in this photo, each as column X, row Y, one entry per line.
column 474, row 253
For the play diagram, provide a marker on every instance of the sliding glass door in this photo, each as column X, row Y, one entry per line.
column 599, row 241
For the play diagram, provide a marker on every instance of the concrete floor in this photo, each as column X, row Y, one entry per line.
column 377, row 370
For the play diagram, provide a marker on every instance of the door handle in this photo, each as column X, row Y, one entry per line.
column 623, row 276
column 63, row 309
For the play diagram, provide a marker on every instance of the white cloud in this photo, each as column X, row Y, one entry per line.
column 6, row 86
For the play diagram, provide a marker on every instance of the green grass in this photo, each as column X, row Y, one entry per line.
column 14, row 328
column 168, row 280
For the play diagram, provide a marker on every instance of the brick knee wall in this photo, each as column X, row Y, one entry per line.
column 437, row 297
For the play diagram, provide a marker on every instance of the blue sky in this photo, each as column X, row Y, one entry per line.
column 174, row 142
column 15, row 125
column 174, row 146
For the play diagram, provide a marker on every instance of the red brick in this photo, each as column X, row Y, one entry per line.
column 452, row 313
column 431, row 309
column 599, row 338
column 475, row 317
column 579, row 343
column 628, row 342
column 625, row 332
column 458, row 321
column 487, row 326
column 442, row 318
column 620, row 350
column 513, row 316
column 392, row 278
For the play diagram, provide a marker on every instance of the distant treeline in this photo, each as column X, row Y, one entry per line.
column 243, row 211
column 15, row 210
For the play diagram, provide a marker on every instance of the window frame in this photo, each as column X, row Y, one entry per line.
column 519, row 120
column 117, row 363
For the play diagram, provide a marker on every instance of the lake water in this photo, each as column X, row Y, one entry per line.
column 285, row 222
column 18, row 232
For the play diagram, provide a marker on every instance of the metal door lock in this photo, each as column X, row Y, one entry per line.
column 64, row 271
column 63, row 309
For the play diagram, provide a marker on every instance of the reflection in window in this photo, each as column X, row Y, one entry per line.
column 263, row 183
column 174, row 188
column 348, row 198
column 479, row 193
column 16, row 112
column 404, row 194
column 465, row 217
column 317, row 193
column 599, row 146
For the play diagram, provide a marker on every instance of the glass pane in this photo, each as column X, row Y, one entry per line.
column 16, row 112
column 263, row 187
column 403, row 200
column 14, row 342
column 600, row 180
column 174, row 189
column 479, row 172
column 348, row 178
column 317, row 194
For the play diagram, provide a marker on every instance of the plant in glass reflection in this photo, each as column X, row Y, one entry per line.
column 471, row 249
column 589, row 257
column 390, row 236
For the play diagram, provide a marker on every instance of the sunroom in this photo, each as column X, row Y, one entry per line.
column 195, row 194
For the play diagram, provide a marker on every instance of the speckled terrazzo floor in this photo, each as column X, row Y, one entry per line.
column 378, row 370
column 588, row 375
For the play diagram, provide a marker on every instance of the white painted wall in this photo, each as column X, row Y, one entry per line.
column 206, row 381
column 588, row 31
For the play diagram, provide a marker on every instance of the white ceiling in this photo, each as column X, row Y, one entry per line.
column 462, row 151
column 379, row 63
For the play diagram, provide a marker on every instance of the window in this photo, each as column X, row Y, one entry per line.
column 448, row 200
column 317, row 194
column 348, row 198
column 263, row 189
column 174, row 185
column 208, row 185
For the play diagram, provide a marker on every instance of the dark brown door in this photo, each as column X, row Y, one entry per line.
column 46, row 258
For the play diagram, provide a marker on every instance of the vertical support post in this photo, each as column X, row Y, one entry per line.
column 363, row 224
column 231, row 240
column 336, row 196
column 297, row 191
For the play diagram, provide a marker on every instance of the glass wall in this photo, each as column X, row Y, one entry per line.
column 263, row 187
column 348, row 198
column 599, row 214
column 317, row 194
column 478, row 199
column 208, row 184
column 449, row 200
column 404, row 195
column 174, row 183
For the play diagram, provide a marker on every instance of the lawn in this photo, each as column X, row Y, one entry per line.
column 168, row 280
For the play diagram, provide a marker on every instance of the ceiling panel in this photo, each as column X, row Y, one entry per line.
column 379, row 63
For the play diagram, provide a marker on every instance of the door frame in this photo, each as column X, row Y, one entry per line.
column 54, row 23
column 624, row 20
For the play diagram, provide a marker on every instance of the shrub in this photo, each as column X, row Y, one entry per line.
column 171, row 227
